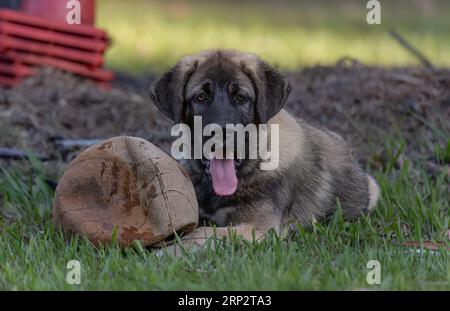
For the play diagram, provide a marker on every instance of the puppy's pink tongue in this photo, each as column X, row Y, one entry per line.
column 223, row 176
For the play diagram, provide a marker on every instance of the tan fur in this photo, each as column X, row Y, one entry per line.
column 290, row 139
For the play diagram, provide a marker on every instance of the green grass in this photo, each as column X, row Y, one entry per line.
column 153, row 35
column 413, row 207
column 150, row 36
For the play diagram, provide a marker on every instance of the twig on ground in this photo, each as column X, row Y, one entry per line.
column 415, row 52
column 75, row 143
column 14, row 154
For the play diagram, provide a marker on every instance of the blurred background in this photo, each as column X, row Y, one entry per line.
column 152, row 35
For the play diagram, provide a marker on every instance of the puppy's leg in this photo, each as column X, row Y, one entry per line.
column 256, row 221
column 200, row 235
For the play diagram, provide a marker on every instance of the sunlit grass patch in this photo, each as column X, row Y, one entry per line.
column 153, row 35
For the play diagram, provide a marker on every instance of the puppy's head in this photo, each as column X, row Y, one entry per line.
column 223, row 87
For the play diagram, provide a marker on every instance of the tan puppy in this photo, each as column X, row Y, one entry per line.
column 316, row 168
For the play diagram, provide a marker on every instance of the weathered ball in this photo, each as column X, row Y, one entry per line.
column 128, row 188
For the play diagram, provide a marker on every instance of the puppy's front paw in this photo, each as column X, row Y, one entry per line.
column 190, row 241
column 177, row 249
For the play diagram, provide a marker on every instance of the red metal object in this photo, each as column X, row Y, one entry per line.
column 14, row 69
column 56, row 10
column 53, row 37
column 38, row 22
column 22, row 65
column 10, row 43
column 85, row 71
column 46, row 39
column 12, row 73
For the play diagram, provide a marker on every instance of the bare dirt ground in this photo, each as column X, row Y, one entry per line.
column 367, row 105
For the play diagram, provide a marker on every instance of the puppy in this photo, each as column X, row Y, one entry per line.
column 316, row 169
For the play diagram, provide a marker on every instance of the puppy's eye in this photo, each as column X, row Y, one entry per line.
column 241, row 98
column 201, row 97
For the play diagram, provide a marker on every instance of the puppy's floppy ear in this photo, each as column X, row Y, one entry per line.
column 168, row 92
column 272, row 88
